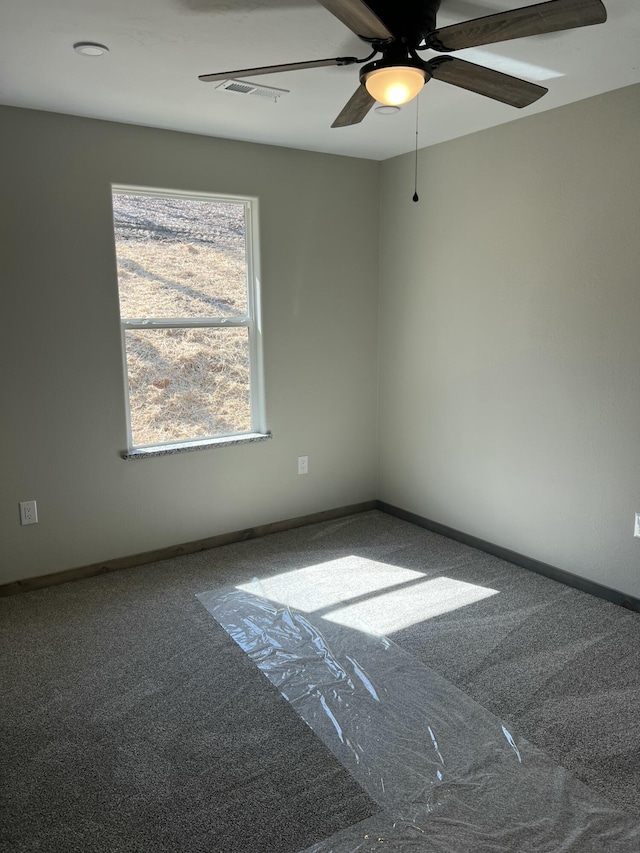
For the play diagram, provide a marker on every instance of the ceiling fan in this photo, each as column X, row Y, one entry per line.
column 398, row 30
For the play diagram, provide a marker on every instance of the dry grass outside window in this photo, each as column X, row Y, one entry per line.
column 166, row 279
column 187, row 383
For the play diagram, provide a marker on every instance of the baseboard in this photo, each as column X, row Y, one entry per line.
column 82, row 572
column 567, row 578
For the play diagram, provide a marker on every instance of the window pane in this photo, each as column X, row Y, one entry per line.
column 187, row 383
column 178, row 257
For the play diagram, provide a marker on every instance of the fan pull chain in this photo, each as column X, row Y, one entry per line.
column 416, row 197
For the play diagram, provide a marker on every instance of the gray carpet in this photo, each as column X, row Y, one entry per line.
column 447, row 773
column 132, row 722
column 560, row 666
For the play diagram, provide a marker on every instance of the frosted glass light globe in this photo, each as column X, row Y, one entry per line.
column 396, row 85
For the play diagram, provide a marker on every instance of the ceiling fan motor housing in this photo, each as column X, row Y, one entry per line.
column 409, row 20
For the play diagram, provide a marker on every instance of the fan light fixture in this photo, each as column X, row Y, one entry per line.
column 396, row 85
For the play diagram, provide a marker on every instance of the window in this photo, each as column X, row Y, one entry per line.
column 188, row 288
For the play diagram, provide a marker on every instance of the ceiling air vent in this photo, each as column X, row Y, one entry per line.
column 242, row 88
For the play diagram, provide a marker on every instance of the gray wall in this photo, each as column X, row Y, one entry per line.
column 510, row 337
column 63, row 418
column 509, row 340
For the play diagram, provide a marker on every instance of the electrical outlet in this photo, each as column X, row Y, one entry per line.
column 303, row 464
column 28, row 512
column 636, row 530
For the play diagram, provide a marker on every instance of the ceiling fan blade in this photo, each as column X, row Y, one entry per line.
column 485, row 81
column 360, row 19
column 355, row 109
column 275, row 69
column 535, row 20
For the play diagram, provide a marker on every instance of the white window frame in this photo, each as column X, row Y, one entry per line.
column 252, row 321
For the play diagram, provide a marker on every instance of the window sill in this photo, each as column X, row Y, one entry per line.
column 186, row 446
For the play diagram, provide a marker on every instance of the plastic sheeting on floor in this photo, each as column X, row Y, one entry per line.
column 449, row 776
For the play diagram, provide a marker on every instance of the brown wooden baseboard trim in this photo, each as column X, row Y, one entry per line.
column 540, row 568
column 81, row 572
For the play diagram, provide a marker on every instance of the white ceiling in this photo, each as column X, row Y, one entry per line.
column 159, row 47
